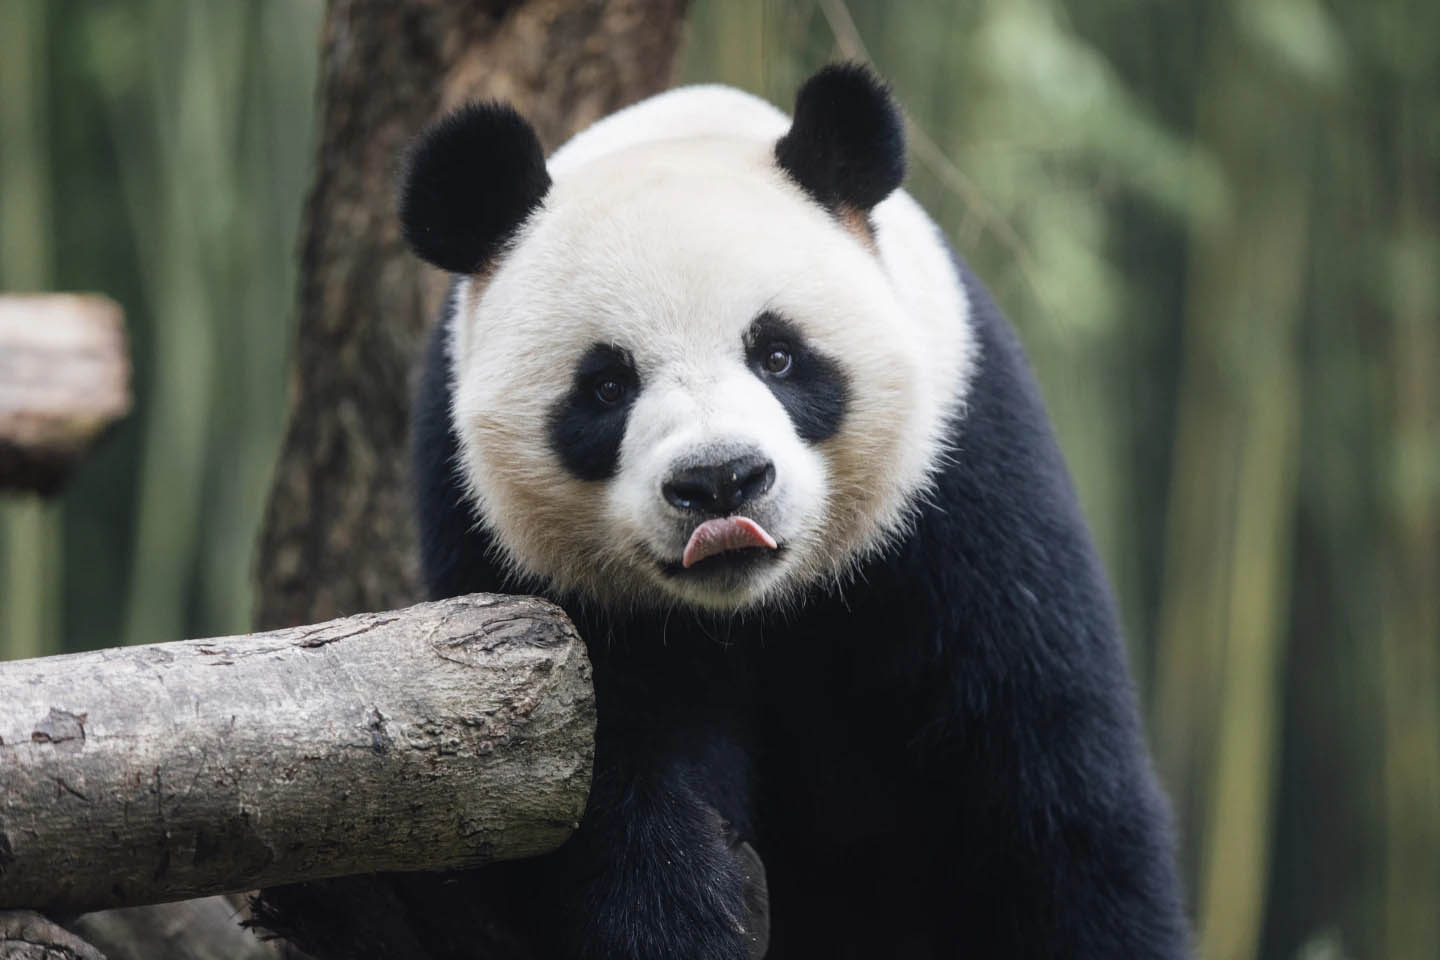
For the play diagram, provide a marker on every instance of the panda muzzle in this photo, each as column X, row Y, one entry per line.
column 723, row 534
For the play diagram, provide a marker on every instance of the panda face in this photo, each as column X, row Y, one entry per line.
column 705, row 355
column 679, row 338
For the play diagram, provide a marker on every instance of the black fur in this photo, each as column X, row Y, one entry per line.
column 453, row 559
column 846, row 144
column 943, row 760
column 814, row 392
column 470, row 181
column 585, row 431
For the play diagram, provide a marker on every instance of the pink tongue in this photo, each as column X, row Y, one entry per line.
column 724, row 533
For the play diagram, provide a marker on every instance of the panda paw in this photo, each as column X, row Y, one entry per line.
column 704, row 900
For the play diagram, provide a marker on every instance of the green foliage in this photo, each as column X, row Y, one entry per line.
column 177, row 135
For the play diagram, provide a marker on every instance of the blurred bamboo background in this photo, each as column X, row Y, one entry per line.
column 1217, row 226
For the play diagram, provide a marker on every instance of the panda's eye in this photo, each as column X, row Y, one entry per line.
column 778, row 361
column 609, row 391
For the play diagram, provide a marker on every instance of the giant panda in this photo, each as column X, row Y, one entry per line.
column 709, row 379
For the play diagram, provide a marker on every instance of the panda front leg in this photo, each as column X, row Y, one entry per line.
column 1075, row 853
column 657, row 869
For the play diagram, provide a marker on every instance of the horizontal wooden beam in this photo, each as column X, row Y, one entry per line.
column 441, row 736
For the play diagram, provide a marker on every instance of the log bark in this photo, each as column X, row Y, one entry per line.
column 337, row 536
column 25, row 935
column 443, row 736
column 64, row 378
column 205, row 929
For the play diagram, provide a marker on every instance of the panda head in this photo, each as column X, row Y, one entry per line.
column 681, row 372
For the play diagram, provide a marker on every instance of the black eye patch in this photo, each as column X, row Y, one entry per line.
column 588, row 423
column 812, row 388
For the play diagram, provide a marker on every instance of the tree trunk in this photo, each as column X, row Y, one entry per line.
column 338, row 537
column 25, row 935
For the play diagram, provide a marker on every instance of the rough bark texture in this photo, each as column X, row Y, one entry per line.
column 337, row 537
column 442, row 736
column 25, row 935
column 64, row 378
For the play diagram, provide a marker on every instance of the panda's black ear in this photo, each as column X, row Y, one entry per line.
column 469, row 182
column 846, row 145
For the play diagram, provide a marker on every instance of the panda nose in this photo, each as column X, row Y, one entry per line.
column 719, row 488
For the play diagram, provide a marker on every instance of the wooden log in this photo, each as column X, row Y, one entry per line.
column 25, row 935
column 64, row 378
column 442, row 736
column 210, row 928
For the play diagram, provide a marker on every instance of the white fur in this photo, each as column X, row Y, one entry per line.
column 667, row 231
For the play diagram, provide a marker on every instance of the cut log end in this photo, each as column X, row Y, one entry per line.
column 64, row 380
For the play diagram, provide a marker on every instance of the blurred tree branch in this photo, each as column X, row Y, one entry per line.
column 64, row 380
column 31, row 551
